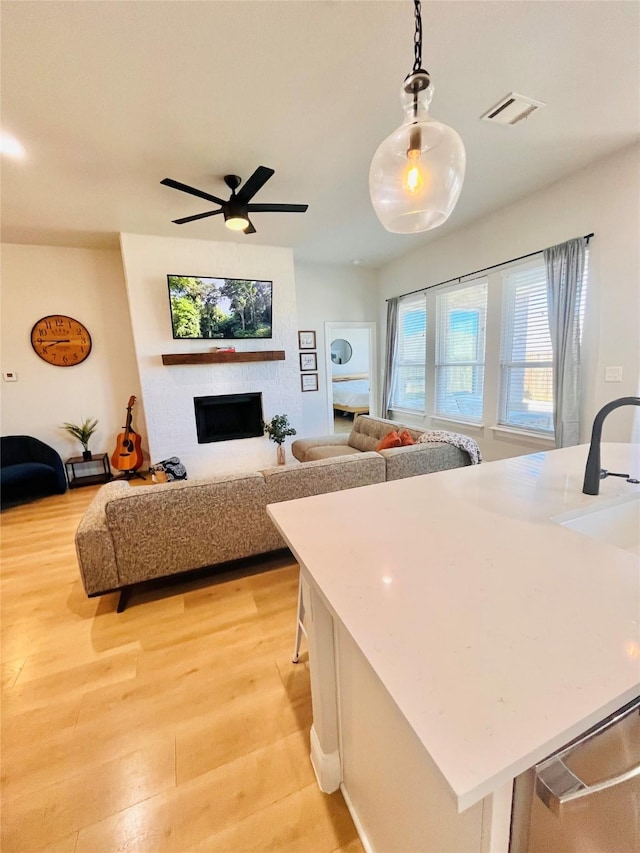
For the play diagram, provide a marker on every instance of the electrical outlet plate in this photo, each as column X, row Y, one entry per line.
column 613, row 374
column 9, row 376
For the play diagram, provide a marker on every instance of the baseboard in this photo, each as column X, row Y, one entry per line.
column 326, row 766
column 356, row 820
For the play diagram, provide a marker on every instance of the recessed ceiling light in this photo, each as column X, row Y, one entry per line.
column 357, row 262
column 10, row 146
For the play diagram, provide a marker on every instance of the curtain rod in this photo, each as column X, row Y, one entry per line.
column 459, row 278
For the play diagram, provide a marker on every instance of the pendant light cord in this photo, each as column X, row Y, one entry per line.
column 415, row 83
column 417, row 38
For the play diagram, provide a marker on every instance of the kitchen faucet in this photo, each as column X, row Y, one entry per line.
column 592, row 472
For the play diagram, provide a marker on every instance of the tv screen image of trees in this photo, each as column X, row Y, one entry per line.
column 220, row 307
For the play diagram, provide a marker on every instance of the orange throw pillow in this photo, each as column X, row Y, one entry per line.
column 406, row 438
column 391, row 439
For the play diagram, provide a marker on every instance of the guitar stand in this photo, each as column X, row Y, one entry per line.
column 129, row 475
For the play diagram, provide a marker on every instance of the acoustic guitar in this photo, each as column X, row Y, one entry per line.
column 128, row 456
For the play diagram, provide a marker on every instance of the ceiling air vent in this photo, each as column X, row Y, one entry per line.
column 512, row 109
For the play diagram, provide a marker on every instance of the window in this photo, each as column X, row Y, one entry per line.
column 526, row 355
column 460, row 340
column 409, row 368
column 526, row 358
column 445, row 368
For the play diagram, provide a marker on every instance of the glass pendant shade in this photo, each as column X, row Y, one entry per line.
column 417, row 173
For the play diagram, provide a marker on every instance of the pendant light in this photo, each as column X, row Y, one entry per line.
column 416, row 174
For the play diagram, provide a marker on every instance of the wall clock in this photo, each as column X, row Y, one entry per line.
column 61, row 340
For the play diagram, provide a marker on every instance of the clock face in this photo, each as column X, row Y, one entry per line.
column 60, row 340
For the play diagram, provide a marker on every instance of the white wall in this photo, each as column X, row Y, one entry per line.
column 90, row 285
column 86, row 284
column 328, row 294
column 604, row 199
column 169, row 390
column 358, row 339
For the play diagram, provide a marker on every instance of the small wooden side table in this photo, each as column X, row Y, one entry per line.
column 76, row 479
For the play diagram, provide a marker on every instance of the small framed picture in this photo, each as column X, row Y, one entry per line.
column 308, row 361
column 309, row 381
column 306, row 340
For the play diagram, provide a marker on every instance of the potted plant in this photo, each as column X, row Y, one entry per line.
column 278, row 428
column 83, row 433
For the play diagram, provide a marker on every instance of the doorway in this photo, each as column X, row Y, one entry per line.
column 351, row 372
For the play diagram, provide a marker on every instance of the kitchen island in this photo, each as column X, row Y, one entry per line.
column 459, row 632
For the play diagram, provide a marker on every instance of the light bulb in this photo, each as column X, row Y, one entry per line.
column 413, row 179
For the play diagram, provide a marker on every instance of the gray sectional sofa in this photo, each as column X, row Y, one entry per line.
column 129, row 535
column 367, row 431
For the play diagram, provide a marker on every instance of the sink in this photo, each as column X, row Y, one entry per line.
column 616, row 524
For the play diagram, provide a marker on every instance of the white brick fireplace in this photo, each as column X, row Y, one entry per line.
column 169, row 391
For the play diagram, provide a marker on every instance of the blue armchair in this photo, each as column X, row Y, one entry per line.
column 29, row 468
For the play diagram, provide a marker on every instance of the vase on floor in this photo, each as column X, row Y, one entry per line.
column 281, row 455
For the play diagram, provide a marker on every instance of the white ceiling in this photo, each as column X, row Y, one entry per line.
column 110, row 97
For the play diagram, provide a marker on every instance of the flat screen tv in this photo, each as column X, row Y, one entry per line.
column 209, row 308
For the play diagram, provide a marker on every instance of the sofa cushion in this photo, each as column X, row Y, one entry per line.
column 301, row 446
column 330, row 452
column 367, row 432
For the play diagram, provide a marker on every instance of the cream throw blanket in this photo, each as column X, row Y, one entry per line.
column 469, row 445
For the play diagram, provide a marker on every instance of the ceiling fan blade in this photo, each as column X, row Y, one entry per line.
column 254, row 183
column 169, row 182
column 277, row 208
column 197, row 216
column 250, row 229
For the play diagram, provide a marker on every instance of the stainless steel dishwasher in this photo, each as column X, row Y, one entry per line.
column 585, row 798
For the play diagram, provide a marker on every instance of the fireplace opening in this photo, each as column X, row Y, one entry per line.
column 228, row 416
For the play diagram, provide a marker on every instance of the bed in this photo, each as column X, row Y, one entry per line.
column 351, row 393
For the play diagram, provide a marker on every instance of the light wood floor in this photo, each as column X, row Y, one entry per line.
column 178, row 725
column 342, row 423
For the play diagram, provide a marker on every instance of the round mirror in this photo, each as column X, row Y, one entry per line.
column 341, row 351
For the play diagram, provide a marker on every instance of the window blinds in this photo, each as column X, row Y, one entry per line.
column 409, row 371
column 521, row 380
column 460, row 345
column 526, row 358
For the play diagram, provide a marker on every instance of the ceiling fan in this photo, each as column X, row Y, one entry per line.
column 236, row 209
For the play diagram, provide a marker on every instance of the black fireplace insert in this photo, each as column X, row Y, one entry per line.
column 228, row 416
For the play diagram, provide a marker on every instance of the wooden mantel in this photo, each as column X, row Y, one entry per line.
column 222, row 357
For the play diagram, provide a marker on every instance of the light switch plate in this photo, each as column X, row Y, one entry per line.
column 613, row 374
column 9, row 376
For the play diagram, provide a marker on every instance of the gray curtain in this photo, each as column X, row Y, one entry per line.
column 390, row 354
column 565, row 267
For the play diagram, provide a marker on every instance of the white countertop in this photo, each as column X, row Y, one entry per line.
column 500, row 634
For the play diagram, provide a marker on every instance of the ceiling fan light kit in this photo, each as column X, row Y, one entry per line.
column 236, row 223
column 237, row 207
column 417, row 173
